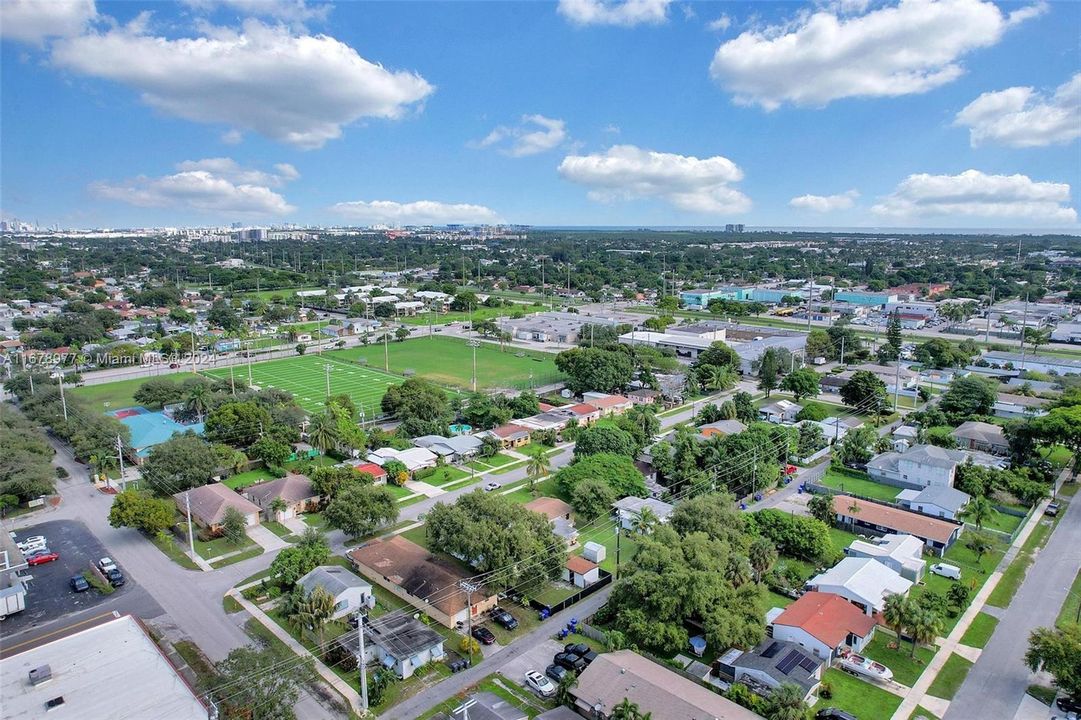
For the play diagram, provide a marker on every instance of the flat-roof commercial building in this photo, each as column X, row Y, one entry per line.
column 109, row 670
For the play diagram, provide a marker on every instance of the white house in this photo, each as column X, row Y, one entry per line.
column 901, row 553
column 862, row 581
column 399, row 642
column 937, row 501
column 629, row 509
column 782, row 411
column 581, row 572
column 919, row 467
column 350, row 591
column 824, row 623
column 413, row 458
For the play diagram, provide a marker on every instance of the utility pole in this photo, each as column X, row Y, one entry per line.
column 63, row 401
column 191, row 535
column 232, row 380
column 327, row 368
column 469, row 588
column 842, row 349
column 754, row 473
column 619, row 526
column 120, row 459
column 363, row 669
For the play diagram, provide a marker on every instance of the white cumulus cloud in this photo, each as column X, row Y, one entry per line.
column 535, row 134
column 825, row 203
column 821, row 56
column 720, row 24
column 1022, row 117
column 213, row 185
column 299, row 89
column 419, row 212
column 973, row 194
column 701, row 185
column 32, row 21
column 625, row 13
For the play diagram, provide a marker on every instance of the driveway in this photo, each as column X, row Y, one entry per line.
column 49, row 597
column 265, row 538
column 536, row 658
column 997, row 682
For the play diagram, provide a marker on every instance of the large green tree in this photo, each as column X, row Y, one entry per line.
column 255, row 684
column 1057, row 651
column 136, row 510
column 595, row 369
column 237, row 423
column 617, row 471
column 604, row 438
column 360, row 510
column 864, row 390
column 183, row 461
column 802, row 383
column 968, row 397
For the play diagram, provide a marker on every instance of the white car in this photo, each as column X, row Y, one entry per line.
column 106, row 564
column 31, row 543
column 540, row 684
column 488, row 487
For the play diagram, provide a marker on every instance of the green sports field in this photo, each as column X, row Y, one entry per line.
column 449, row 361
column 306, row 378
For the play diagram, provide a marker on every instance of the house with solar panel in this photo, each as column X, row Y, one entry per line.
column 771, row 664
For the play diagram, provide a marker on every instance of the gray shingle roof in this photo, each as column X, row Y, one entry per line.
column 335, row 580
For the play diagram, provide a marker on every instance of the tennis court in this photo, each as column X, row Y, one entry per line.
column 306, row 378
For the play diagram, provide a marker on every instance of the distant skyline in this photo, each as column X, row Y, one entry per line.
column 853, row 114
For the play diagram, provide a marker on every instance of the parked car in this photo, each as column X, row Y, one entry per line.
column 1068, row 705
column 79, row 583
column 1051, row 509
column 30, row 549
column 556, row 672
column 105, row 565
column 946, row 570
column 31, row 544
column 41, row 559
column 570, row 661
column 115, row 578
column 540, row 684
column 490, row 486
column 484, row 635
column 832, row 713
column 504, row 618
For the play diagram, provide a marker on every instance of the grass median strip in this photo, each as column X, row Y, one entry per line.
column 980, row 631
column 1010, row 581
column 950, row 677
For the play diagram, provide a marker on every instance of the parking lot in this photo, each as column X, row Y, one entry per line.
column 49, row 595
column 536, row 658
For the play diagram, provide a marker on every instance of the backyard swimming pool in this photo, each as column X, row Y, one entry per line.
column 151, row 428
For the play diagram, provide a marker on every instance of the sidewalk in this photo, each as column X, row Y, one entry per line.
column 949, row 645
column 346, row 691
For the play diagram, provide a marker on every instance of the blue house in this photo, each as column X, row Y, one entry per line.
column 868, row 299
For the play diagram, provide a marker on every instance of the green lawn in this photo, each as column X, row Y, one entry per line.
column 862, row 699
column 239, row 557
column 922, row 713
column 774, row 599
column 1057, row 455
column 315, row 520
column 604, row 532
column 950, row 677
column 1044, row 694
column 174, row 552
column 220, row 546
column 851, row 481
column 449, row 361
column 107, row 397
column 305, row 376
column 1010, row 581
column 906, row 669
column 417, row 535
column 980, row 631
column 496, row 461
column 444, row 475
column 1071, row 608
column 278, row 529
column 841, row 538
column 244, row 479
column 553, row 594
column 972, row 572
column 1004, row 522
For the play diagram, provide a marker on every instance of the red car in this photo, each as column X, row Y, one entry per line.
column 42, row 558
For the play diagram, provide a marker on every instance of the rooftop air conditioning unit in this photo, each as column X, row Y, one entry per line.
column 41, row 674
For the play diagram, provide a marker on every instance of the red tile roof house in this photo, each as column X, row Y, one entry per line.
column 510, row 435
column 209, row 503
column 374, row 470
column 872, row 518
column 296, row 491
column 609, row 404
column 824, row 623
column 584, row 413
column 581, row 572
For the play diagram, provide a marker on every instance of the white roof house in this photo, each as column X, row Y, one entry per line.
column 630, row 508
column 901, row 553
column 862, row 581
column 109, row 670
column 414, row 458
column 349, row 590
column 460, row 445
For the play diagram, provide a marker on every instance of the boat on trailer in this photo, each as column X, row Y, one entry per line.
column 865, row 667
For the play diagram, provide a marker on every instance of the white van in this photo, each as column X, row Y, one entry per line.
column 946, row 570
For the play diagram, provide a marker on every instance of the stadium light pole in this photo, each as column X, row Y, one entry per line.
column 474, row 344
column 327, row 368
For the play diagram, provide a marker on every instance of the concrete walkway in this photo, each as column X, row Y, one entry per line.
column 423, row 488
column 296, row 525
column 951, row 644
column 347, row 692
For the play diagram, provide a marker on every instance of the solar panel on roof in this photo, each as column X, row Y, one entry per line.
column 808, row 663
column 772, row 650
column 790, row 661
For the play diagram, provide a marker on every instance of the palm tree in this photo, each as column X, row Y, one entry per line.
column 737, row 571
column 323, row 432
column 626, row 710
column 925, row 627
column 644, row 522
column 537, row 468
column 786, row 703
column 980, row 510
column 895, row 613
column 198, row 401
column 277, row 505
column 563, row 689
column 853, row 511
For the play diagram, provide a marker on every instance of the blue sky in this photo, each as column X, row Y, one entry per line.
column 928, row 113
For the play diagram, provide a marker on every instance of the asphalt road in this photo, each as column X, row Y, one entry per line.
column 996, row 683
